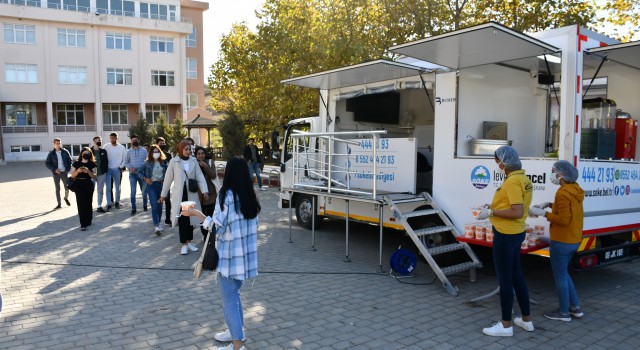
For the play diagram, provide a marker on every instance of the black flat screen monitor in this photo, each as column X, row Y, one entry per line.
column 381, row 108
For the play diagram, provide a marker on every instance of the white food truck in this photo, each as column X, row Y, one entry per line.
column 409, row 144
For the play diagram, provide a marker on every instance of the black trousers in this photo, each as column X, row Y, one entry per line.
column 167, row 206
column 184, row 222
column 84, row 200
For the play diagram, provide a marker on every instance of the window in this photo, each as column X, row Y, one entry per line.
column 119, row 76
column 154, row 111
column 72, row 75
column 20, row 114
column 69, row 115
column 19, row 34
column 76, row 5
column 162, row 78
column 192, row 68
column 75, row 149
column 34, row 3
column 71, row 37
column 20, row 73
column 192, row 101
column 156, row 11
column 191, row 38
column 116, row 7
column 115, row 114
column 31, row 148
column 160, row 44
column 118, row 41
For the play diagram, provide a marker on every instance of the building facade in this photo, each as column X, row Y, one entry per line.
column 74, row 69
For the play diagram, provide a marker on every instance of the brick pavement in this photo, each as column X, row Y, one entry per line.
column 118, row 286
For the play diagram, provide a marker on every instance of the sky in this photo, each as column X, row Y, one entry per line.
column 218, row 20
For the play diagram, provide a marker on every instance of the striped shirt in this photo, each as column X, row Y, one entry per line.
column 237, row 241
column 135, row 158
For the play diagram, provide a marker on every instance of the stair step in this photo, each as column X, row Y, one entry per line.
column 445, row 248
column 453, row 269
column 409, row 200
column 432, row 230
column 425, row 212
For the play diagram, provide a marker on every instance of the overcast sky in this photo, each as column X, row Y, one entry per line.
column 218, row 20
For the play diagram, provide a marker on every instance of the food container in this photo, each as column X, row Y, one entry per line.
column 525, row 243
column 534, row 240
column 481, row 232
column 470, row 230
column 475, row 211
column 485, row 147
column 187, row 205
column 489, row 235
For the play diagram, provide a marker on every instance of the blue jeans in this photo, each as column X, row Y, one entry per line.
column 133, row 180
column 154, row 191
column 255, row 168
column 113, row 173
column 101, row 181
column 231, row 306
column 506, row 257
column 561, row 254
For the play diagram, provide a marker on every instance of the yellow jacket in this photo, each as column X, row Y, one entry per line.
column 567, row 214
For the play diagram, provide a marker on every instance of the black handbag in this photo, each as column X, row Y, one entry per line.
column 192, row 184
column 211, row 257
column 71, row 184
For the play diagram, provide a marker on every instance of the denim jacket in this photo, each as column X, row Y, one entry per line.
column 147, row 169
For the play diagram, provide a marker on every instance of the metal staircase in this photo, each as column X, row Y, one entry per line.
column 421, row 236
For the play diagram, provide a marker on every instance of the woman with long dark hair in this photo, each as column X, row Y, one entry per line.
column 180, row 170
column 152, row 173
column 209, row 204
column 236, row 222
column 83, row 171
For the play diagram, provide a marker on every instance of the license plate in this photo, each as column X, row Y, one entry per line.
column 613, row 254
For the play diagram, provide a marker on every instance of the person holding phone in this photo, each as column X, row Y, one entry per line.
column 82, row 172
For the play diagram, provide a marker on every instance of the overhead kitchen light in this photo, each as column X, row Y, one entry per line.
column 552, row 59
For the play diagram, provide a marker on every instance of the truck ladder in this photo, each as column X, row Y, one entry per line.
column 420, row 236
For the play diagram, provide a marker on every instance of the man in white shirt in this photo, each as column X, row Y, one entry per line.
column 115, row 155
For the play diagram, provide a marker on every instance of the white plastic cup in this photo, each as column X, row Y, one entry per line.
column 187, row 205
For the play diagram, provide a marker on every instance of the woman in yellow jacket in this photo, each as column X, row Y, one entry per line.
column 508, row 213
column 566, row 218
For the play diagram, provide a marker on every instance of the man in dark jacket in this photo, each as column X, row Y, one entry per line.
column 102, row 163
column 59, row 162
column 253, row 158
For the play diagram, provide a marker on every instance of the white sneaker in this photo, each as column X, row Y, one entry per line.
column 192, row 247
column 230, row 347
column 184, row 250
column 498, row 330
column 527, row 326
column 262, row 189
column 157, row 231
column 160, row 227
column 225, row 336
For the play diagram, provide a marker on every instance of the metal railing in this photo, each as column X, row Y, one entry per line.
column 322, row 164
column 74, row 128
column 116, row 127
column 23, row 129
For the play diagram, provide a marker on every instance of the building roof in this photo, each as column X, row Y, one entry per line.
column 201, row 122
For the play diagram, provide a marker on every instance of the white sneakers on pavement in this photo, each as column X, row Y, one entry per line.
column 225, row 336
column 230, row 347
column 184, row 250
column 527, row 326
column 192, row 247
column 498, row 330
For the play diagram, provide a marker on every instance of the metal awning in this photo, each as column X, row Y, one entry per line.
column 363, row 73
column 627, row 53
column 475, row 46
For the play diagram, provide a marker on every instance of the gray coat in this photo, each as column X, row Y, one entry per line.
column 175, row 174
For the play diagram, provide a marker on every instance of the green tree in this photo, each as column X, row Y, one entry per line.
column 143, row 130
column 233, row 136
column 177, row 134
column 162, row 127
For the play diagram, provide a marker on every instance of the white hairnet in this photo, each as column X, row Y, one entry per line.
column 508, row 156
column 566, row 170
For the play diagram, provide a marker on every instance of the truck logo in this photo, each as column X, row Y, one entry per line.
column 440, row 100
column 480, row 177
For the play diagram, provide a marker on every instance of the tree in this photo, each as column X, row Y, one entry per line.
column 233, row 136
column 143, row 130
column 177, row 134
column 162, row 128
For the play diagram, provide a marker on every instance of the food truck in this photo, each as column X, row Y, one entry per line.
column 409, row 143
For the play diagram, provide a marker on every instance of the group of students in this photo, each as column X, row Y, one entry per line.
column 508, row 211
column 232, row 215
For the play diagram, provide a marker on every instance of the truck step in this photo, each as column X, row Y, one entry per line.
column 425, row 212
column 432, row 230
column 453, row 269
column 409, row 200
column 445, row 248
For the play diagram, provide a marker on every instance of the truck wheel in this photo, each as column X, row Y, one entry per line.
column 304, row 212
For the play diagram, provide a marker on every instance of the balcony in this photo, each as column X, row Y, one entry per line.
column 24, row 129
column 74, row 128
column 116, row 127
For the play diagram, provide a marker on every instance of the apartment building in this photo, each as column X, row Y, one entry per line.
column 78, row 68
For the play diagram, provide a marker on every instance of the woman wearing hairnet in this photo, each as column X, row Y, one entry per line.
column 508, row 213
column 566, row 218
